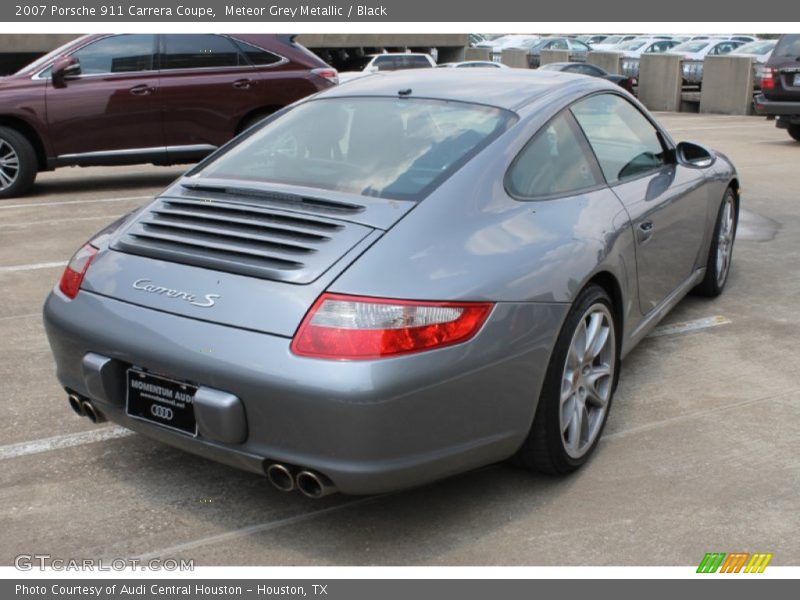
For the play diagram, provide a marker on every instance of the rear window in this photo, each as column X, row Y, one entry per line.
column 788, row 47
column 383, row 147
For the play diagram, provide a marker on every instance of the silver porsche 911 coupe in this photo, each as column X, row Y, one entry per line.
column 397, row 280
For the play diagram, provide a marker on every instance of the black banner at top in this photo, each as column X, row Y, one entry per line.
column 394, row 11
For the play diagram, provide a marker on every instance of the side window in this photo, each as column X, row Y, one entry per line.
column 199, row 51
column 257, row 56
column 556, row 161
column 417, row 62
column 117, row 54
column 558, row 45
column 625, row 142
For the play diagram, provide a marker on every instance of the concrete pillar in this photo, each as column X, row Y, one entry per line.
column 478, row 54
column 514, row 57
column 660, row 81
column 610, row 61
column 553, row 56
column 451, row 54
column 727, row 85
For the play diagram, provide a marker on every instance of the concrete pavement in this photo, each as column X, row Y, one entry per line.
column 698, row 455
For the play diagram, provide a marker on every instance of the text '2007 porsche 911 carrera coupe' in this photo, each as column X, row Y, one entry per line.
column 398, row 279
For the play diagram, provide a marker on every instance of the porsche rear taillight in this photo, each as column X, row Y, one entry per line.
column 768, row 78
column 76, row 269
column 342, row 327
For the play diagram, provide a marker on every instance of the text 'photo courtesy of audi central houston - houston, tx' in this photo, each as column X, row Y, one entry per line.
column 398, row 279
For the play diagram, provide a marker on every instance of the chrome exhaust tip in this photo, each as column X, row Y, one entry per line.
column 76, row 405
column 314, row 485
column 281, row 477
column 95, row 416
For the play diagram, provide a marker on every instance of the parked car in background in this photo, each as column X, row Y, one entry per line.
column 624, row 82
column 388, row 61
column 505, row 42
column 759, row 51
column 367, row 294
column 592, row 39
column 612, row 41
column 577, row 49
column 475, row 39
column 469, row 64
column 695, row 51
column 780, row 86
column 633, row 50
column 145, row 98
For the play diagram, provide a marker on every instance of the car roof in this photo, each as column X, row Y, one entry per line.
column 503, row 88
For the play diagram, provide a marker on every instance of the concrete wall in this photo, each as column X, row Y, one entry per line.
column 376, row 40
column 727, row 85
column 515, row 58
column 478, row 54
column 553, row 56
column 610, row 61
column 660, row 81
column 39, row 42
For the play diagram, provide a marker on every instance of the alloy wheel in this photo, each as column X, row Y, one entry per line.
column 725, row 241
column 587, row 380
column 9, row 165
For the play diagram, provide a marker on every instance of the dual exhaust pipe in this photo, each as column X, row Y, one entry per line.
column 310, row 483
column 83, row 407
column 282, row 477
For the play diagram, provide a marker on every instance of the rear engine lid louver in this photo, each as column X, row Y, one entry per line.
column 277, row 236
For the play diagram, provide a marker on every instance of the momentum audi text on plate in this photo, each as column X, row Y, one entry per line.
column 413, row 275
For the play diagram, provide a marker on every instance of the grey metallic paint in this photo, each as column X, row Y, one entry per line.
column 380, row 425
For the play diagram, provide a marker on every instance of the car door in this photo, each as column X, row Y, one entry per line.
column 667, row 203
column 207, row 88
column 112, row 104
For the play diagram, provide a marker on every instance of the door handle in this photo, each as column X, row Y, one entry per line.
column 243, row 84
column 142, row 90
column 646, row 229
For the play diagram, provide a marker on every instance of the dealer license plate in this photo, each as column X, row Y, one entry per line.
column 160, row 400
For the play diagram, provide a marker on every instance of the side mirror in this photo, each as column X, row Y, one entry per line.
column 64, row 68
column 694, row 155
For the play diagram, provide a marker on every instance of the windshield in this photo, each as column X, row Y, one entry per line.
column 398, row 148
column 632, row 45
column 788, row 46
column 43, row 60
column 694, row 46
column 755, row 48
column 613, row 39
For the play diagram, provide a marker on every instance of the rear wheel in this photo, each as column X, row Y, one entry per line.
column 721, row 251
column 18, row 164
column 578, row 388
column 794, row 131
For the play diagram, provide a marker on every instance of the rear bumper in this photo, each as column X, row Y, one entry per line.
column 371, row 426
column 767, row 107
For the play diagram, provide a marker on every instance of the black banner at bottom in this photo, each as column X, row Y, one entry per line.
column 732, row 586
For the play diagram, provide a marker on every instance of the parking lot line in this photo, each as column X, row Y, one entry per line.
column 66, row 202
column 58, row 221
column 63, row 441
column 686, row 326
column 258, row 528
column 25, row 316
column 33, row 267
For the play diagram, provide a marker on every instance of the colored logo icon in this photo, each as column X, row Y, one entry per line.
column 735, row 562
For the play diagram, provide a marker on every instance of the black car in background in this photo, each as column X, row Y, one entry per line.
column 780, row 86
column 624, row 82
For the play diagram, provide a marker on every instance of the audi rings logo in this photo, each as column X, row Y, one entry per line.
column 162, row 412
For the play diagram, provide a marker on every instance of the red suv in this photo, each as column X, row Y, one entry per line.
column 145, row 98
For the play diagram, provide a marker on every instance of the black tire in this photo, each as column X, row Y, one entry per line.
column 712, row 284
column 544, row 450
column 794, row 131
column 16, row 181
